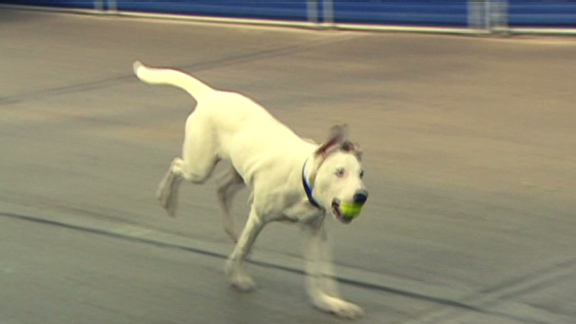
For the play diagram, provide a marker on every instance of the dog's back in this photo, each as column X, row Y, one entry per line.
column 238, row 128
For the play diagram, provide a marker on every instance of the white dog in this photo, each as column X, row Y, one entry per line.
column 291, row 179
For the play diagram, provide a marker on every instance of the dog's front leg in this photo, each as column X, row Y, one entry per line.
column 320, row 280
column 235, row 271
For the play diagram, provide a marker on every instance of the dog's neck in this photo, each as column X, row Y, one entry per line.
column 306, row 183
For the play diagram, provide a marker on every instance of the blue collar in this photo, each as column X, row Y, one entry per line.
column 307, row 187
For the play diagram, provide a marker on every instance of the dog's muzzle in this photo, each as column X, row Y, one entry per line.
column 346, row 212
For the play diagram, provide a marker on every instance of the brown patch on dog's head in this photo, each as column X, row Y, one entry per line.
column 338, row 140
column 338, row 135
column 351, row 147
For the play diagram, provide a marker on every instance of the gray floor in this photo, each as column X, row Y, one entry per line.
column 470, row 153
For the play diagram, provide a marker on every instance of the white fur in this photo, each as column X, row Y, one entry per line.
column 267, row 157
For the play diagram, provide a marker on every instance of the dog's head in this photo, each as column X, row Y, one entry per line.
column 338, row 179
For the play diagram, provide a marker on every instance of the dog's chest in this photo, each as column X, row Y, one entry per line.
column 302, row 212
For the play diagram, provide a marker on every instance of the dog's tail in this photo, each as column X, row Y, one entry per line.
column 171, row 77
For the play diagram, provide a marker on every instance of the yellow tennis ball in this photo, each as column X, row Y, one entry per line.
column 351, row 211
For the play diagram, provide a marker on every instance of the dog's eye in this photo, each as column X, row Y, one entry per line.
column 361, row 174
column 340, row 172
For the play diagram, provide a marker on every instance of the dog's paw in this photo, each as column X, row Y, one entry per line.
column 338, row 307
column 243, row 283
column 239, row 279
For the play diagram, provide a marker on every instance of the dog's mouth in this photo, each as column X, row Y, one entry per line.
column 338, row 213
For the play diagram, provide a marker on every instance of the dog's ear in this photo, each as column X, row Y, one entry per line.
column 351, row 147
column 338, row 135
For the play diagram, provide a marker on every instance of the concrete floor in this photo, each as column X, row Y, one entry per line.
column 470, row 157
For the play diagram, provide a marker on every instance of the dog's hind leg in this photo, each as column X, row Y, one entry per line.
column 167, row 191
column 228, row 186
column 196, row 165
column 235, row 264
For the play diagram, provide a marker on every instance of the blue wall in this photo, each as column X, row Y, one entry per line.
column 429, row 13
column 276, row 9
column 558, row 14
column 89, row 4
column 438, row 13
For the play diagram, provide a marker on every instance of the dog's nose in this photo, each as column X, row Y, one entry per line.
column 361, row 196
